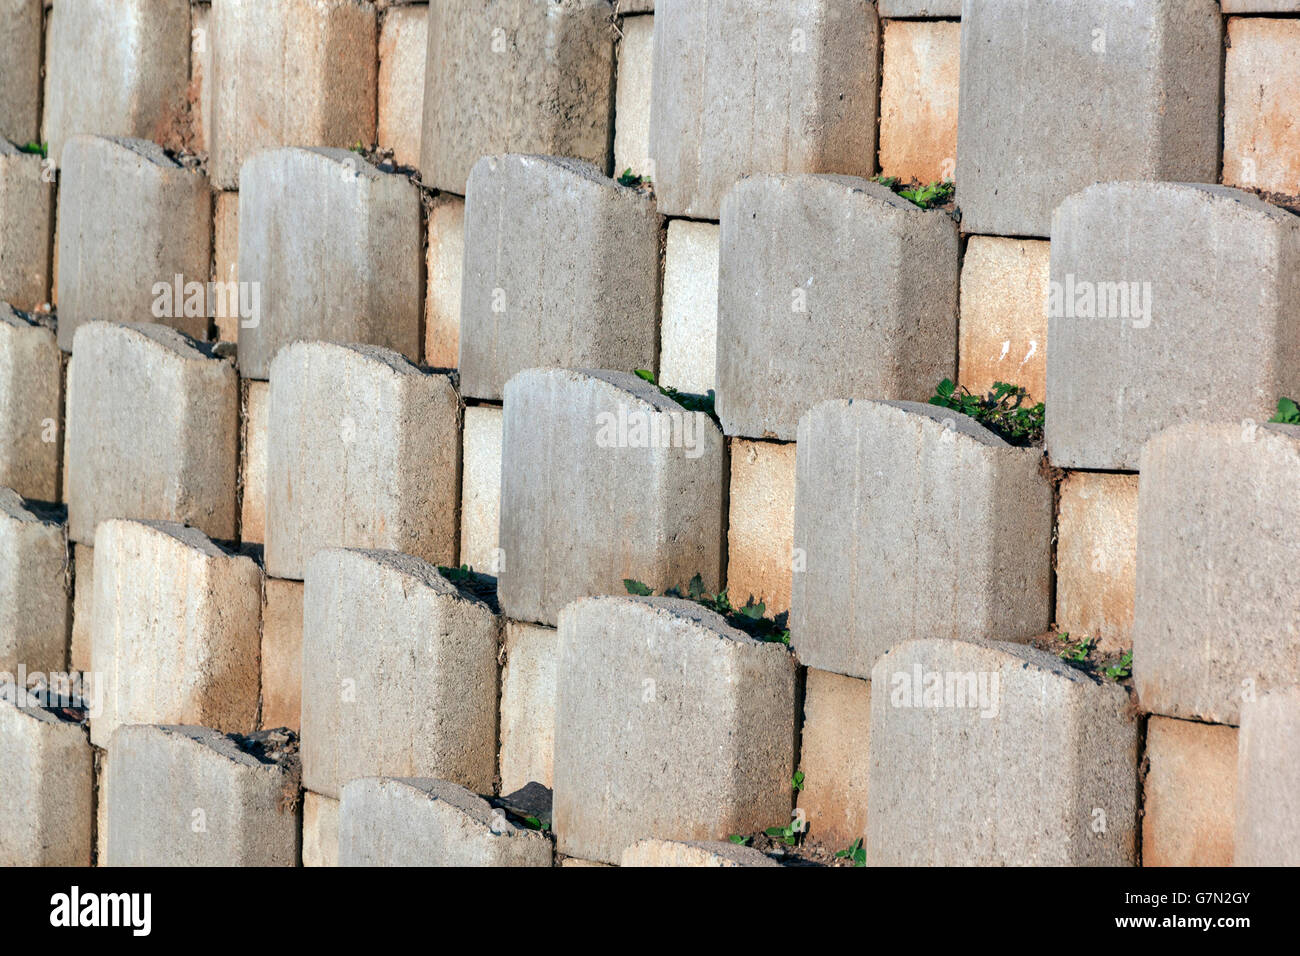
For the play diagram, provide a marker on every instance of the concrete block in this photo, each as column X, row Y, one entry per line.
column 633, row 97
column 444, row 277
column 200, row 91
column 334, row 246
column 1003, row 330
column 403, row 45
column 920, row 8
column 1096, row 558
column 26, row 226
column 797, row 91
column 835, row 743
column 49, row 786
column 83, row 604
column 1261, row 92
column 528, row 705
column 626, row 471
column 688, row 344
column 31, row 407
column 21, row 27
column 399, row 673
column 155, row 214
column 1218, row 593
column 290, row 72
column 1268, row 782
column 225, row 262
column 703, row 853
column 516, row 76
column 34, row 586
column 760, row 530
column 634, row 6
column 918, row 100
column 913, row 521
column 153, row 431
column 176, row 631
column 252, row 461
column 480, row 503
column 1260, row 6
column 363, row 451
column 561, row 268
column 282, row 654
column 320, row 830
column 137, row 53
column 189, row 796
column 1190, row 794
column 991, row 754
column 1146, row 72
column 1136, row 325
column 669, row 724
column 829, row 287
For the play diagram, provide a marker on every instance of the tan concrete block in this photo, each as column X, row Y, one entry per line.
column 760, row 534
column 918, row 100
column 528, row 705
column 282, row 654
column 480, row 508
column 31, row 393
column 320, row 830
column 1261, row 93
column 709, row 854
column 83, row 604
column 1190, row 794
column 1003, row 329
column 26, row 223
column 252, row 465
column 20, row 65
column 200, row 91
column 836, row 733
column 688, row 342
column 446, row 258
column 1268, row 781
column 632, row 97
column 225, row 260
column 403, row 43
column 1096, row 558
column 33, row 586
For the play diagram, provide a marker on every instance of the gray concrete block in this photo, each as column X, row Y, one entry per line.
column 363, row 451
column 1218, row 589
column 1157, row 347
column 31, row 405
column 399, row 673
column 35, row 611
column 26, row 227
column 189, row 796
column 21, row 40
column 913, row 521
column 153, row 431
column 290, row 72
column 387, row 822
column 670, row 725
column 829, row 287
column 117, row 68
column 701, row 853
column 1146, row 73
column 516, row 76
column 176, row 631
column 796, row 91
column 900, row 9
column 991, row 754
column 47, row 805
column 604, row 459
column 131, row 219
column 335, row 248
column 1268, row 782
column 561, row 268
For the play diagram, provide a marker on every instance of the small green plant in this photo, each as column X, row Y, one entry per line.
column 927, row 197
column 466, row 578
column 1288, row 413
column 692, row 403
column 1076, row 651
column 751, row 618
column 633, row 181
column 536, row 824
column 1122, row 670
column 796, row 782
column 1002, row 411
column 788, row 834
column 739, row 840
column 857, row 853
column 40, row 149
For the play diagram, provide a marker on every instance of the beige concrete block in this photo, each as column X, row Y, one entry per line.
column 528, row 705
column 282, row 654
column 31, row 393
column 688, row 342
column 446, row 259
column 709, row 854
column 1261, row 93
column 833, row 757
column 1096, row 558
column 83, row 604
column 20, row 65
column 632, row 97
column 33, row 586
column 1268, row 781
column 26, row 225
column 199, row 95
column 403, row 44
column 760, row 533
column 1190, row 796
column 918, row 100
column 320, row 830
column 252, row 465
column 480, row 509
column 225, row 260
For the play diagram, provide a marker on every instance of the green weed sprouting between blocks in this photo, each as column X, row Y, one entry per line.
column 1288, row 413
column 633, row 181
column 692, row 403
column 1002, row 411
column 927, row 197
column 857, row 853
column 39, row 149
column 751, row 618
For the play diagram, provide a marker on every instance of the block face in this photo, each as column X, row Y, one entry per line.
column 139, row 55
column 20, row 64
column 387, row 822
column 633, row 97
column 760, row 530
column 289, row 72
column 1136, row 326
column 399, row 673
column 153, row 431
column 528, row 706
column 83, row 602
column 561, row 268
column 167, row 778
column 155, row 214
column 48, row 769
column 1005, row 285
column 1148, row 70
column 1260, row 6
column 689, row 329
column 701, row 853
column 363, row 451
column 27, row 220
column 1261, row 93
column 1190, row 794
column 918, row 100
column 1268, row 782
column 834, row 747
column 515, row 76
column 34, row 584
column 1096, row 558
column 31, row 393
column 282, row 654
column 1217, row 594
column 920, row 8
column 252, row 462
column 809, row 76
column 829, row 287
column 444, row 277
column 334, row 246
column 646, row 683
column 175, row 636
column 627, row 471
column 320, row 830
column 225, row 261
column 403, row 44
column 930, row 526
column 990, row 754
column 480, row 505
